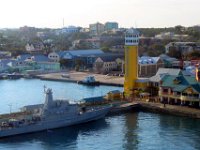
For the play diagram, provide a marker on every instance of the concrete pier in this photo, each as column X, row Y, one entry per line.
column 169, row 109
column 79, row 76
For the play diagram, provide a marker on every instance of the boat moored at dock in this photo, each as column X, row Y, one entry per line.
column 50, row 115
column 89, row 80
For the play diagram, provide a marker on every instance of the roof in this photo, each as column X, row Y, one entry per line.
column 108, row 57
column 189, row 70
column 180, row 82
column 132, row 31
column 170, row 71
column 23, row 57
column 156, row 78
column 40, row 58
column 167, row 58
column 148, row 60
column 81, row 52
column 114, row 92
column 93, row 99
column 8, row 62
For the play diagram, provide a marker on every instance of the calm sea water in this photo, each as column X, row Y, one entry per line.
column 131, row 131
column 16, row 93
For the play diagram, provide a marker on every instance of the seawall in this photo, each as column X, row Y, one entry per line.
column 169, row 109
column 156, row 108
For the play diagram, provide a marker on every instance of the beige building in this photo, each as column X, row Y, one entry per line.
column 148, row 66
column 106, row 64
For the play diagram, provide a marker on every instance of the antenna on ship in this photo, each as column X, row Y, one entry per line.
column 44, row 88
column 10, row 106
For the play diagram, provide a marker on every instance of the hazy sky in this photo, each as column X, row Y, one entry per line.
column 128, row 13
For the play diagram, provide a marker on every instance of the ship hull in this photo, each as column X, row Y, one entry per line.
column 52, row 124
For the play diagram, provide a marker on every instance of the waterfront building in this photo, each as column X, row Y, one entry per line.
column 111, row 26
column 154, row 81
column 83, row 57
column 179, row 89
column 41, row 62
column 96, row 28
column 108, row 62
column 12, row 65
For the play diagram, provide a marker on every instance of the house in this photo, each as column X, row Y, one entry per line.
column 108, row 62
column 34, row 47
column 4, row 65
column 154, row 81
column 93, row 43
column 170, row 35
column 43, row 62
column 82, row 57
column 10, row 65
column 38, row 62
column 148, row 66
column 183, row 47
column 180, row 90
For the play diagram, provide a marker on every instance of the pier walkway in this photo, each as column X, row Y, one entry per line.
column 78, row 76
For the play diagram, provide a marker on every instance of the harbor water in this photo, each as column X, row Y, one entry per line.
column 14, row 94
column 130, row 131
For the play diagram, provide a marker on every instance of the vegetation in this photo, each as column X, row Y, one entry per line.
column 15, row 40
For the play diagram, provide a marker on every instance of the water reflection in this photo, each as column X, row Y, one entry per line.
column 130, row 131
column 57, row 138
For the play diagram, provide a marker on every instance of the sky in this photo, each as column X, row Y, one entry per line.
column 128, row 13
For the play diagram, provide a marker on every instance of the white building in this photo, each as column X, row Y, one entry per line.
column 70, row 29
column 54, row 57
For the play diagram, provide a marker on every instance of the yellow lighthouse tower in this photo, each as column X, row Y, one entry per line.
column 131, row 61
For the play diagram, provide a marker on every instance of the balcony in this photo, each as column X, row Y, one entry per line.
column 166, row 94
column 190, row 98
column 183, row 98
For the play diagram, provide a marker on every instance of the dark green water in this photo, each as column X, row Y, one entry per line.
column 132, row 131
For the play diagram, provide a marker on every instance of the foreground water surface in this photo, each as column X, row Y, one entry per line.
column 131, row 131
